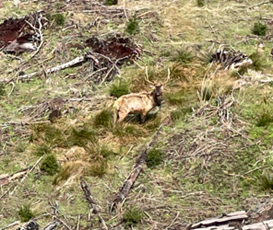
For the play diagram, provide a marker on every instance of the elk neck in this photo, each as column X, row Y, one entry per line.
column 157, row 99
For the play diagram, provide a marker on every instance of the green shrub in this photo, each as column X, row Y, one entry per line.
column 104, row 118
column 132, row 26
column 200, row 3
column 132, row 216
column 154, row 158
column 119, row 88
column 50, row 165
column 25, row 213
column 259, row 29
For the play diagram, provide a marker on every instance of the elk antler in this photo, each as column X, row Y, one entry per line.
column 168, row 77
column 147, row 77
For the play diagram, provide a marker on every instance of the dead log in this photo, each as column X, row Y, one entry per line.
column 222, row 220
column 93, row 204
column 131, row 179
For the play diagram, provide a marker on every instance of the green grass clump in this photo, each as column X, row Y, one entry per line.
column 258, row 62
column 106, row 152
column 98, row 168
column 104, row 118
column 25, row 213
column 58, row 18
column 259, row 29
column 81, row 136
column 265, row 119
column 183, row 56
column 132, row 216
column 119, row 88
column 41, row 150
column 63, row 174
column 132, row 26
column 123, row 130
column 2, row 90
column 176, row 97
column 154, row 158
column 180, row 113
column 50, row 165
column 266, row 180
column 110, row 2
column 200, row 3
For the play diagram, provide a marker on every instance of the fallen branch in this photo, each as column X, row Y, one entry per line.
column 131, row 179
column 56, row 68
column 14, row 176
column 93, row 204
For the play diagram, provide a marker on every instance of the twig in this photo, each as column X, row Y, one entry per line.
column 173, row 220
column 39, row 32
column 13, row 86
column 33, row 167
column 61, row 221
column 30, row 170
column 11, row 225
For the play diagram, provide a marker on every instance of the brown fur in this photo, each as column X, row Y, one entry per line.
column 137, row 103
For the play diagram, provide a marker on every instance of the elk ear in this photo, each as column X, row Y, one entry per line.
column 152, row 86
column 162, row 87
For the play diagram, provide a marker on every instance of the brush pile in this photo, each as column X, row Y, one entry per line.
column 230, row 59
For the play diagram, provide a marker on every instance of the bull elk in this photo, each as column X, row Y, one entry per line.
column 140, row 103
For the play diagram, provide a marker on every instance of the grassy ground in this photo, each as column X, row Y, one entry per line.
column 214, row 157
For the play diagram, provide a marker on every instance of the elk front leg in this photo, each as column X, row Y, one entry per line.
column 143, row 116
column 121, row 117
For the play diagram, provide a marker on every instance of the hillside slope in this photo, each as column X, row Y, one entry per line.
column 209, row 145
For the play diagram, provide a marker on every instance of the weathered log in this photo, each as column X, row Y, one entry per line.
column 224, row 219
column 131, row 179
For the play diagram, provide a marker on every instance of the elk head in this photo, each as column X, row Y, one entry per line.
column 157, row 88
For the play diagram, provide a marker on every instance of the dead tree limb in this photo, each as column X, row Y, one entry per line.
column 93, row 204
column 131, row 179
